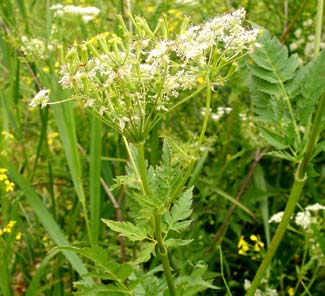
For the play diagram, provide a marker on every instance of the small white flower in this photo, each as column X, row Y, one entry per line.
column 87, row 13
column 247, row 284
column 315, row 207
column 271, row 292
column 303, row 219
column 276, row 218
column 41, row 98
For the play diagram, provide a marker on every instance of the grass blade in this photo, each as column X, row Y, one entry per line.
column 94, row 177
column 45, row 218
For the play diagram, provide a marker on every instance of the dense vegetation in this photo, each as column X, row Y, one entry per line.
column 162, row 147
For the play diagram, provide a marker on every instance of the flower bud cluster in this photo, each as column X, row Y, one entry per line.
column 130, row 80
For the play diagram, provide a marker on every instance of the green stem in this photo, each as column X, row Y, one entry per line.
column 163, row 252
column 318, row 32
column 142, row 170
column 293, row 199
column 291, row 204
column 300, row 175
column 200, row 140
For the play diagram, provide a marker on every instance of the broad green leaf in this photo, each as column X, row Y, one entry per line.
column 313, row 84
column 273, row 139
column 127, row 229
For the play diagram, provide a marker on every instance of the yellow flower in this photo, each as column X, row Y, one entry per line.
column 18, row 236
column 259, row 244
column 3, row 170
column 9, row 186
column 291, row 291
column 51, row 136
column 8, row 227
column 254, row 238
column 7, row 135
column 200, row 80
column 3, row 176
column 242, row 246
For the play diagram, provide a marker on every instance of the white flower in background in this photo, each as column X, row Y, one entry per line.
column 315, row 207
column 261, row 292
column 303, row 219
column 41, row 98
column 276, row 218
column 87, row 13
column 35, row 48
column 187, row 2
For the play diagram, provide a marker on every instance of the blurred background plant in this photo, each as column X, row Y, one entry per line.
column 58, row 180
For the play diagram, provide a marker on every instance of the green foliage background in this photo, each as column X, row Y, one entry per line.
column 53, row 158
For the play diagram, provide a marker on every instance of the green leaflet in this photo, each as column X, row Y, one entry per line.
column 273, row 139
column 313, row 84
column 271, row 62
column 180, row 211
column 105, row 268
column 127, row 229
column 147, row 250
column 271, row 71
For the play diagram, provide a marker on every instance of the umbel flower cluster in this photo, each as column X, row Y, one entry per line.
column 132, row 80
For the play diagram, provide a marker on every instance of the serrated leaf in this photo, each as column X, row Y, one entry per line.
column 99, row 256
column 271, row 71
column 313, row 84
column 127, row 229
column 182, row 207
column 273, row 139
column 283, row 155
column 273, row 57
column 147, row 250
column 263, row 86
column 175, row 243
column 180, row 226
column 104, row 290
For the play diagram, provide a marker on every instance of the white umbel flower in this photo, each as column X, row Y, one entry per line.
column 315, row 207
column 303, row 219
column 41, row 98
column 276, row 218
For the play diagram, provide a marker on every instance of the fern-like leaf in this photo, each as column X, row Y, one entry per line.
column 271, row 71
